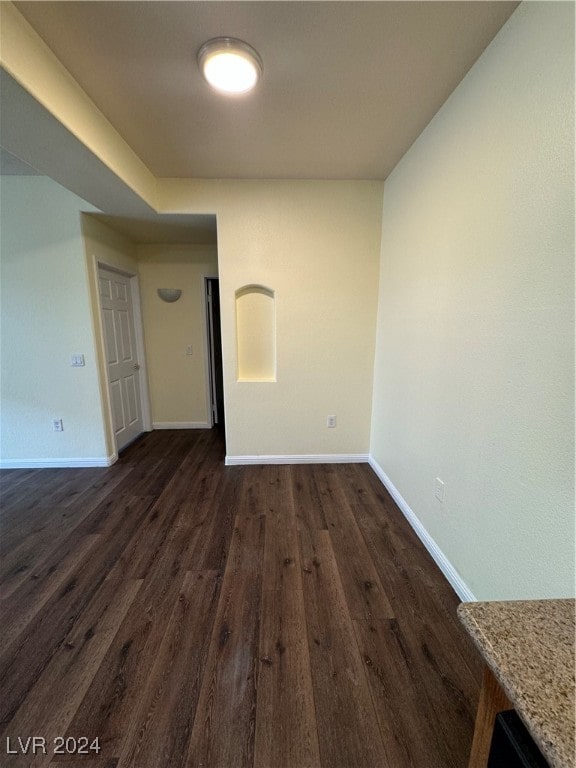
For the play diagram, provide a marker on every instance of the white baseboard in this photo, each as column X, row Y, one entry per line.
column 180, row 425
column 101, row 461
column 451, row 574
column 300, row 458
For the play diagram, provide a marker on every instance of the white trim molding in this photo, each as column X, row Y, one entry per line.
column 451, row 574
column 101, row 461
column 300, row 458
column 180, row 425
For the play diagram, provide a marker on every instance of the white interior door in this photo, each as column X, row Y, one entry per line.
column 121, row 355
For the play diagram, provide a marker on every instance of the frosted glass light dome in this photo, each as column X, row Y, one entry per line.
column 229, row 65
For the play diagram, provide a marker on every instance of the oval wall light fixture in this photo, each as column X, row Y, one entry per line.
column 229, row 65
column 169, row 294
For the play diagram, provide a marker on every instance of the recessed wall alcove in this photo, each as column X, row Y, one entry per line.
column 256, row 333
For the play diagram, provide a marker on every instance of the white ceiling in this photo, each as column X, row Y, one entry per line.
column 347, row 86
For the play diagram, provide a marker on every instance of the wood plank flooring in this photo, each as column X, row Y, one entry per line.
column 192, row 615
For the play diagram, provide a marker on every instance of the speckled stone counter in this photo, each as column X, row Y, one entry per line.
column 529, row 646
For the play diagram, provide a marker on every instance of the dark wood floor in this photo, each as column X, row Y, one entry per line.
column 191, row 614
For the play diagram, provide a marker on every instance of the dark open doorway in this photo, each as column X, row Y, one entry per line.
column 214, row 352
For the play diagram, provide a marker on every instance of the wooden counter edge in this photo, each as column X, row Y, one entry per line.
column 492, row 700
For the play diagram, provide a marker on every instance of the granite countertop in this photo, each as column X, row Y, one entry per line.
column 529, row 646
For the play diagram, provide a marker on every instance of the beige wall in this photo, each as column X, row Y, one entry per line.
column 474, row 368
column 178, row 381
column 45, row 319
column 316, row 245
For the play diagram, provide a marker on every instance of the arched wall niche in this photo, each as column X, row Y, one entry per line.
column 256, row 333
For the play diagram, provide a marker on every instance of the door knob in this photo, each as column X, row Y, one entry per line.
column 136, row 367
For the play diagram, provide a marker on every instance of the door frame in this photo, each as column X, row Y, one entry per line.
column 97, row 264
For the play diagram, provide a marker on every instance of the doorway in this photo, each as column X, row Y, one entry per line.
column 215, row 375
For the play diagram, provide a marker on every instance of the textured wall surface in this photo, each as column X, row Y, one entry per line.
column 474, row 367
column 178, row 381
column 45, row 319
column 316, row 245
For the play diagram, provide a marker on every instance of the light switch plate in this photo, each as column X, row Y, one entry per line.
column 77, row 361
column 439, row 489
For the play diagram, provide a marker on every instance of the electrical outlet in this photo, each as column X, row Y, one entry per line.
column 57, row 425
column 331, row 421
column 439, row 492
column 189, row 350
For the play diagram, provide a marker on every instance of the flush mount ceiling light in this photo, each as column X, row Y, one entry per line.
column 229, row 65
